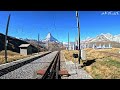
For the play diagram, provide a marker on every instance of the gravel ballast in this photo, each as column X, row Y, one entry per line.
column 28, row 71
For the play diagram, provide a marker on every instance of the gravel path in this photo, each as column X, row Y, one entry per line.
column 73, row 70
column 29, row 71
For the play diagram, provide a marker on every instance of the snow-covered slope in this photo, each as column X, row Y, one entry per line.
column 100, row 38
column 103, row 38
column 117, row 38
column 108, row 36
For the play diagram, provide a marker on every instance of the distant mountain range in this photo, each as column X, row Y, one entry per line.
column 104, row 38
column 49, row 43
column 49, row 38
column 13, row 43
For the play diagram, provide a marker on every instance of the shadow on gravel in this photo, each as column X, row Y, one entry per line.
column 88, row 63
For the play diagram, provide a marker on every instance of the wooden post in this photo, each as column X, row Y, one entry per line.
column 6, row 38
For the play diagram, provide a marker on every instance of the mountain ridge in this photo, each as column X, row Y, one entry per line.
column 104, row 38
column 13, row 44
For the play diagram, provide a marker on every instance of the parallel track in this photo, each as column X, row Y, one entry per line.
column 18, row 65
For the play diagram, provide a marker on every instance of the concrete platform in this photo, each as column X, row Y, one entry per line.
column 75, row 72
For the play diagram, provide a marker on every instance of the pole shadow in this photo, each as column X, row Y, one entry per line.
column 88, row 63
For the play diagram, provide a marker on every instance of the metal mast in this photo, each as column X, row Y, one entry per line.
column 78, row 26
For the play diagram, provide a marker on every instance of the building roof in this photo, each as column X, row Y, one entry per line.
column 24, row 45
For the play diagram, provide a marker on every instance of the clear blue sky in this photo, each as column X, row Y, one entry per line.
column 27, row 24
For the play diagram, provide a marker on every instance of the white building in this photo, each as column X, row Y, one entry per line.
column 71, row 46
column 100, row 46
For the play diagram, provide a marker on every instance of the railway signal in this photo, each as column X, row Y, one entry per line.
column 6, row 41
column 78, row 26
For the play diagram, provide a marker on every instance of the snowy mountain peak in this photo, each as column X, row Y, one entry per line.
column 106, row 34
column 49, row 35
column 50, row 38
column 100, row 37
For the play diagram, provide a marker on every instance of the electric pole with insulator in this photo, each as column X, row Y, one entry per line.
column 78, row 26
column 38, row 43
column 68, row 41
column 6, row 41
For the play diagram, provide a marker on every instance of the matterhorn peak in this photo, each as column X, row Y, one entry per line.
column 50, row 38
column 49, row 35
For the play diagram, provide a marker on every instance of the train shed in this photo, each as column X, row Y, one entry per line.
column 25, row 49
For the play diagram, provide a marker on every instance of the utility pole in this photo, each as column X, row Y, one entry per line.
column 6, row 38
column 68, row 41
column 48, row 45
column 38, row 43
column 75, row 44
column 78, row 26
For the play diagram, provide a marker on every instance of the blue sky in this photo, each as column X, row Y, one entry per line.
column 27, row 24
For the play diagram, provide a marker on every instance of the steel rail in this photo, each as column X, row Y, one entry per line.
column 18, row 65
column 52, row 71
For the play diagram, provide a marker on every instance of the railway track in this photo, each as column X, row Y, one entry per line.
column 52, row 72
column 15, row 66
